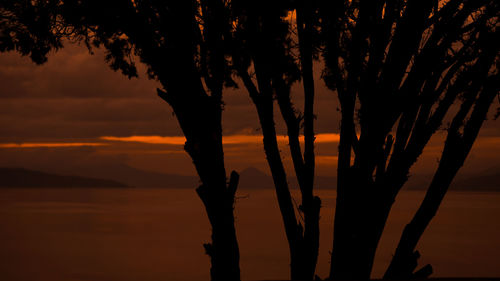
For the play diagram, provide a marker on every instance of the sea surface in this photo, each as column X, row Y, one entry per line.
column 157, row 234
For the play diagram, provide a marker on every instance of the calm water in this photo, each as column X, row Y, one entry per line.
column 157, row 234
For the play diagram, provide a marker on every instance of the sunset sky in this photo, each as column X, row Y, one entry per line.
column 75, row 112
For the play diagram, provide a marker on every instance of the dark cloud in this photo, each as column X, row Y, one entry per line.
column 28, row 119
column 71, row 72
column 75, row 97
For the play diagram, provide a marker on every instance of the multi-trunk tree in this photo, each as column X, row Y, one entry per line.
column 400, row 68
column 263, row 46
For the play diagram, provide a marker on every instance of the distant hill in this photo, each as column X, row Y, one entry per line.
column 18, row 177
column 141, row 178
column 136, row 177
column 121, row 176
column 488, row 180
column 253, row 178
column 250, row 178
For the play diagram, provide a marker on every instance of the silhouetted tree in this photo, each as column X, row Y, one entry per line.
column 399, row 66
column 462, row 132
column 264, row 43
column 182, row 44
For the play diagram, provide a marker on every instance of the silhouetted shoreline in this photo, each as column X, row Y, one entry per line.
column 18, row 177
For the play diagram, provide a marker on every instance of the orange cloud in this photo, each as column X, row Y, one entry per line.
column 176, row 140
column 42, row 144
column 232, row 139
column 326, row 138
column 172, row 140
column 326, row 159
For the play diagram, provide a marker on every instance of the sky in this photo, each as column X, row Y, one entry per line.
column 75, row 113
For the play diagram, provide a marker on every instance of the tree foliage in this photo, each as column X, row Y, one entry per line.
column 400, row 68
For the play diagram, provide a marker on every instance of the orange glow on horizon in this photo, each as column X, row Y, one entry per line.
column 169, row 140
column 326, row 159
column 41, row 144
column 180, row 140
column 231, row 139
column 176, row 140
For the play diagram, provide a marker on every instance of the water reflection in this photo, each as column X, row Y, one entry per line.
column 157, row 234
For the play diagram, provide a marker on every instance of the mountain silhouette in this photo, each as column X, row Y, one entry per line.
column 18, row 177
column 253, row 178
column 122, row 175
column 488, row 180
column 136, row 177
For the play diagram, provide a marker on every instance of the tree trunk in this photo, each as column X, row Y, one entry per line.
column 311, row 204
column 359, row 222
column 203, row 132
column 457, row 147
column 300, row 266
column 218, row 198
column 223, row 250
column 292, row 229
